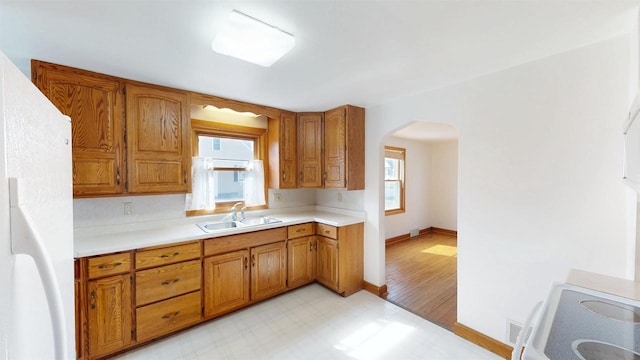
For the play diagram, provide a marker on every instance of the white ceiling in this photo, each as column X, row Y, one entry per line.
column 358, row 52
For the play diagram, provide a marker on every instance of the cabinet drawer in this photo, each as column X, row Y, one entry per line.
column 167, row 281
column 224, row 244
column 167, row 316
column 167, row 255
column 109, row 265
column 328, row 231
column 301, row 230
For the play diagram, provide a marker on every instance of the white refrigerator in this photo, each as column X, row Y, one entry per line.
column 36, row 223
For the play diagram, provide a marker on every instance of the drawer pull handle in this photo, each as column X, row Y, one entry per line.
column 301, row 230
column 246, row 262
column 168, row 282
column 104, row 266
column 166, row 256
column 327, row 231
column 310, row 246
column 284, row 176
column 253, row 260
column 167, row 316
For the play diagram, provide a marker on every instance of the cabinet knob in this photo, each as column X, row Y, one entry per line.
column 284, row 176
column 184, row 173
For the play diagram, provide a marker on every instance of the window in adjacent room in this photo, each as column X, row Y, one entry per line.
column 227, row 167
column 394, row 170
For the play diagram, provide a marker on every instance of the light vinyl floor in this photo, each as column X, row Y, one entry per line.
column 315, row 323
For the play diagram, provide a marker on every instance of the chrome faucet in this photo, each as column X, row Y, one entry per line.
column 234, row 211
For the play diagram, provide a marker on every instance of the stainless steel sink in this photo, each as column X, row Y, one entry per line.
column 218, row 225
column 260, row 220
column 212, row 226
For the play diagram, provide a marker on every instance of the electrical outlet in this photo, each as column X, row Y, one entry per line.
column 276, row 196
column 339, row 197
column 128, row 208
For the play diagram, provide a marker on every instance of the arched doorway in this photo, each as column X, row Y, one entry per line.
column 421, row 238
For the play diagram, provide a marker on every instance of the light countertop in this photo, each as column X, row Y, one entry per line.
column 607, row 284
column 98, row 241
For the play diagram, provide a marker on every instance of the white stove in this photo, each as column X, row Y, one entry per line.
column 584, row 324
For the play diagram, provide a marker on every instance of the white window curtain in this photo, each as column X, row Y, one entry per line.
column 202, row 195
column 254, row 184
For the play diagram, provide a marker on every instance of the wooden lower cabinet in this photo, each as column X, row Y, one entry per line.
column 126, row 299
column 327, row 266
column 340, row 264
column 301, row 261
column 268, row 270
column 226, row 282
column 109, row 314
column 167, row 316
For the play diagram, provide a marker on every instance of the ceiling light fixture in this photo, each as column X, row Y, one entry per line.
column 252, row 40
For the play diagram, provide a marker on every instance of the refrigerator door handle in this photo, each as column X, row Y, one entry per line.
column 25, row 239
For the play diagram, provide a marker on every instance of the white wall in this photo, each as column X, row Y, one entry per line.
column 443, row 191
column 540, row 189
column 418, row 181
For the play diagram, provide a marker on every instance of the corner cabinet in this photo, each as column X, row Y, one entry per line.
column 310, row 150
column 344, row 148
column 157, row 140
column 95, row 104
column 340, row 252
column 283, row 152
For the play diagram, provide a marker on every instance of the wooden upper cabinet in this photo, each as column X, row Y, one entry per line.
column 95, row 104
column 310, row 150
column 344, row 148
column 157, row 139
column 283, row 152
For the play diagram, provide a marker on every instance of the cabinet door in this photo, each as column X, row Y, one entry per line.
column 301, row 261
column 268, row 270
column 157, row 140
column 328, row 265
column 310, row 150
column 95, row 104
column 226, row 282
column 109, row 314
column 335, row 132
column 288, row 150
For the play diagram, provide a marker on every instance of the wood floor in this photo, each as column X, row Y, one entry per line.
column 422, row 277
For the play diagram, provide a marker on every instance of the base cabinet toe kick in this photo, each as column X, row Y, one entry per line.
column 130, row 298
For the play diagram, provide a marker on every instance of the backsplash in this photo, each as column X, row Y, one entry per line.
column 111, row 210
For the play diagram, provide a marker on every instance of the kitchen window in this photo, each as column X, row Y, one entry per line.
column 227, row 167
column 394, row 171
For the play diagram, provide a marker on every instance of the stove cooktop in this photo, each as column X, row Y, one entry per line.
column 583, row 324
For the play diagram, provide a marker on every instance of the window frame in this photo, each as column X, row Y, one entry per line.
column 222, row 130
column 401, row 174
